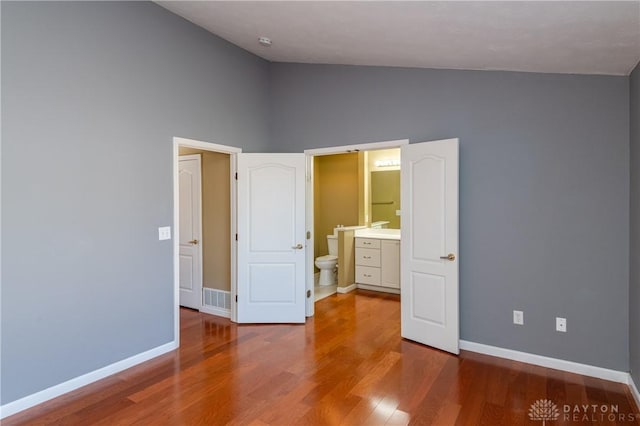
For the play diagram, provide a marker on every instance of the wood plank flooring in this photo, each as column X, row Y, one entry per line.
column 346, row 366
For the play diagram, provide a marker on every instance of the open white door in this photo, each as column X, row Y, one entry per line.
column 190, row 202
column 271, row 238
column 429, row 244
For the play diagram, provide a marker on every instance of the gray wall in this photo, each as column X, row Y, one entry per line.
column 92, row 94
column 634, row 279
column 544, row 188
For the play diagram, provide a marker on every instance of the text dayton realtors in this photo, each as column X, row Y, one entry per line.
column 596, row 413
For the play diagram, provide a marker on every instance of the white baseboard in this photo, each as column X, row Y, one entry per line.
column 225, row 313
column 80, row 381
column 347, row 289
column 634, row 390
column 379, row 288
column 543, row 361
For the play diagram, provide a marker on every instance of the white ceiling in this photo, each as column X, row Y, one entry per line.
column 576, row 37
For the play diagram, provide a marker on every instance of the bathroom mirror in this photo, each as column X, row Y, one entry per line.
column 385, row 197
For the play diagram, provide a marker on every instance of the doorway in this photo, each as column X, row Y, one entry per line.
column 350, row 166
column 352, row 191
column 204, row 240
column 426, row 253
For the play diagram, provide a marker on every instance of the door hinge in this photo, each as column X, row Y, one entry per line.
column 236, row 298
column 308, row 294
column 236, row 175
column 236, row 237
column 308, row 235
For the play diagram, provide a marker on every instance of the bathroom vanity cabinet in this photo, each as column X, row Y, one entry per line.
column 378, row 264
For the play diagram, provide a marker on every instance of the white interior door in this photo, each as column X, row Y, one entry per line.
column 190, row 214
column 429, row 244
column 271, row 238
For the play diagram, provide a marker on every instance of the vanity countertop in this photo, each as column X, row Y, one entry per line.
column 382, row 234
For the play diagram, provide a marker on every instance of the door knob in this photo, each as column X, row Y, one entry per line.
column 298, row 247
column 194, row 242
column 450, row 256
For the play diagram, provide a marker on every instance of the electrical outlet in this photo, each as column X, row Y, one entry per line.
column 561, row 324
column 164, row 233
column 518, row 317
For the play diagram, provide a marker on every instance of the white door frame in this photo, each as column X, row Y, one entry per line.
column 310, row 153
column 204, row 146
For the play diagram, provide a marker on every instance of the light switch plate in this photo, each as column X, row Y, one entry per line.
column 164, row 233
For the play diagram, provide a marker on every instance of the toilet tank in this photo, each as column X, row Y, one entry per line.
column 332, row 242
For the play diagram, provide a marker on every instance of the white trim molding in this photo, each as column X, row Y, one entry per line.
column 379, row 288
column 206, row 146
column 347, row 289
column 219, row 312
column 357, row 147
column 543, row 361
column 80, row 381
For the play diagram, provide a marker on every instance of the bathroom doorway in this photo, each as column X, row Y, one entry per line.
column 428, row 272
column 350, row 192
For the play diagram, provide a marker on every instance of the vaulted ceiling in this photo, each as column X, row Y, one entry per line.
column 576, row 37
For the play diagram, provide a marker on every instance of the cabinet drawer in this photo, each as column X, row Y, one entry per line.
column 367, row 243
column 367, row 275
column 368, row 257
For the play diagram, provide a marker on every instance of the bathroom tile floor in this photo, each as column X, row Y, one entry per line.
column 324, row 291
column 320, row 292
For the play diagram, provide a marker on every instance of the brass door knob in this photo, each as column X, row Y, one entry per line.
column 450, row 256
column 194, row 242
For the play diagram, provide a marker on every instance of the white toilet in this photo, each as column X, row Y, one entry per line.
column 327, row 264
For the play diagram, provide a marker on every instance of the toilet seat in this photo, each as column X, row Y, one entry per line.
column 327, row 257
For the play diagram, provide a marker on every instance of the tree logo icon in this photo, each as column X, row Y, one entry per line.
column 544, row 410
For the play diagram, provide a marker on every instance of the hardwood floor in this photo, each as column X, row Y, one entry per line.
column 346, row 366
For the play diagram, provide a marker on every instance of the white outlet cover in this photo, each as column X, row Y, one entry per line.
column 518, row 317
column 164, row 233
column 561, row 324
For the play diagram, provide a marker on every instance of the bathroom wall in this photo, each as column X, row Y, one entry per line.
column 216, row 218
column 92, row 95
column 544, row 188
column 335, row 195
column 634, row 279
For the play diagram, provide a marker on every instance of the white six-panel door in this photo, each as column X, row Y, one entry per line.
column 429, row 244
column 271, row 238
column 189, row 191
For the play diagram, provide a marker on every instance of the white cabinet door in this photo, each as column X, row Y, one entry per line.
column 429, row 244
column 190, row 212
column 271, row 238
column 390, row 263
